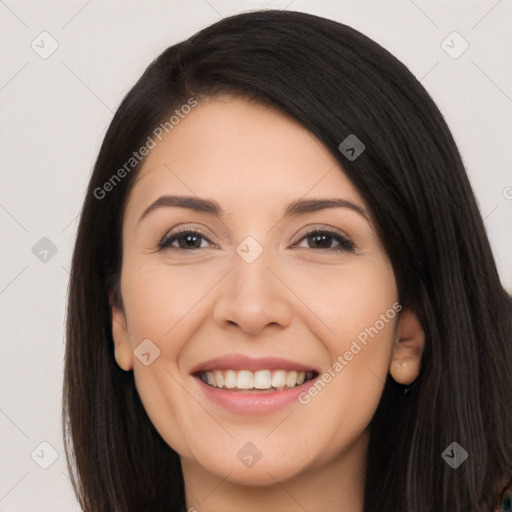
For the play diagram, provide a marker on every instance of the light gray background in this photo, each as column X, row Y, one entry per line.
column 54, row 115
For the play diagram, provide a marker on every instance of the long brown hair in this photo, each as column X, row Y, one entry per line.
column 334, row 81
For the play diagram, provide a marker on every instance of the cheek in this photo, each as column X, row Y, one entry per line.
column 163, row 395
column 357, row 309
column 345, row 299
column 158, row 296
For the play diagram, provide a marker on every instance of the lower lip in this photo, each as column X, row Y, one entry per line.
column 242, row 402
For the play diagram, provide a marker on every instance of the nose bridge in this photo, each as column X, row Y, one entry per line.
column 253, row 297
column 250, row 266
column 252, row 279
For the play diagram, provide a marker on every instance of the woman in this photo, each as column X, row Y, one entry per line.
column 282, row 295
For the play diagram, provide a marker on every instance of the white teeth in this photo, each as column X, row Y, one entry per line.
column 260, row 379
column 245, row 380
column 210, row 379
column 291, row 379
column 219, row 378
column 230, row 379
column 279, row 379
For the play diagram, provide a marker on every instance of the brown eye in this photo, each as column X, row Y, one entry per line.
column 323, row 239
column 187, row 240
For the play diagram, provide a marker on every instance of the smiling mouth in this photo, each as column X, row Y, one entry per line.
column 260, row 381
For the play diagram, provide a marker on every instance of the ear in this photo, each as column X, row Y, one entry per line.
column 407, row 348
column 122, row 344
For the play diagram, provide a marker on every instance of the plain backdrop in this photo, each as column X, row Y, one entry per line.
column 54, row 113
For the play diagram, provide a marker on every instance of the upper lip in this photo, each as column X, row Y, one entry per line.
column 244, row 362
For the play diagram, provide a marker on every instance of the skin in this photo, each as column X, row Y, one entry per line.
column 296, row 301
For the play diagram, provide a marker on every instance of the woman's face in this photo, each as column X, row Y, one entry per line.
column 255, row 296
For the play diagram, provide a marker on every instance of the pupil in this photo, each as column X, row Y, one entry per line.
column 322, row 238
column 193, row 239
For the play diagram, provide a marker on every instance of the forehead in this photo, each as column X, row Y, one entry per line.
column 240, row 152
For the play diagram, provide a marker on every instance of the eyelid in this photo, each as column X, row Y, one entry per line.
column 321, row 227
column 312, row 228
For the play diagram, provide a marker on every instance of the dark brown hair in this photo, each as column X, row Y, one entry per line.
column 335, row 82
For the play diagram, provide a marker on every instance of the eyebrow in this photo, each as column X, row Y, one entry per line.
column 295, row 208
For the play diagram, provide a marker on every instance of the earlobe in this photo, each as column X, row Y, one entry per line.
column 122, row 344
column 407, row 349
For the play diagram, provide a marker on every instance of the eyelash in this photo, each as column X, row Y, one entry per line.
column 344, row 243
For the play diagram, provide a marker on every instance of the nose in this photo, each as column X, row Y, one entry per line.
column 253, row 297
